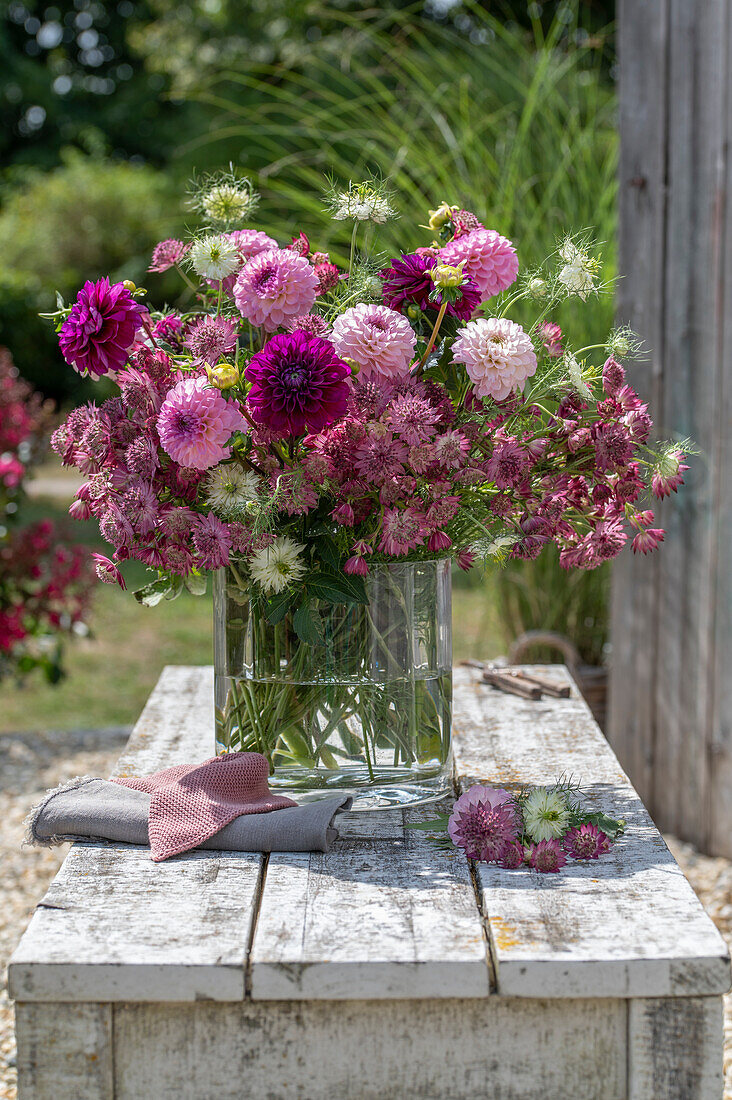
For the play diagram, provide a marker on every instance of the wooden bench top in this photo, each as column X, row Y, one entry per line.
column 387, row 913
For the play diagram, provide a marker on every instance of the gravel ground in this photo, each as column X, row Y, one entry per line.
column 31, row 763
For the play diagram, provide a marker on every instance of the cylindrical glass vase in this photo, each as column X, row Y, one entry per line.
column 367, row 712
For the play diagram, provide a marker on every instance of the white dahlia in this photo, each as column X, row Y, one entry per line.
column 379, row 339
column 498, row 356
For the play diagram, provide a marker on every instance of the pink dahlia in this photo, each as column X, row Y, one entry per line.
column 379, row 339
column 547, row 856
column 298, row 384
column 585, row 842
column 97, row 335
column 484, row 822
column 195, row 423
column 490, row 259
column 167, row 254
column 498, row 356
column 211, row 338
column 248, row 243
column 275, row 286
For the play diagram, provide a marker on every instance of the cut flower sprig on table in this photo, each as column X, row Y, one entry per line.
column 303, row 423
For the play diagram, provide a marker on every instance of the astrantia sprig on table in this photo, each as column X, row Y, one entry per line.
column 306, row 421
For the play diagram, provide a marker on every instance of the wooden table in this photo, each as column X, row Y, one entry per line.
column 387, row 968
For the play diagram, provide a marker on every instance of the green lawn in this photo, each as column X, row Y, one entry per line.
column 111, row 673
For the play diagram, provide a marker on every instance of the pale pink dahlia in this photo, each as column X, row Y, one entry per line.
column 484, row 822
column 195, row 423
column 379, row 339
column 498, row 356
column 248, row 243
column 490, row 259
column 211, row 338
column 274, row 287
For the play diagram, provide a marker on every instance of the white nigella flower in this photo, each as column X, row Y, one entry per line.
column 277, row 565
column 214, row 257
column 579, row 271
column 229, row 489
column 361, row 202
column 228, row 202
column 546, row 815
column 574, row 370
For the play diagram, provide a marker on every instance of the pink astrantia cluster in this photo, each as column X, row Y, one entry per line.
column 362, row 419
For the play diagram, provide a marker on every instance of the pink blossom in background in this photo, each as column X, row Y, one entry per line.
column 377, row 338
column 195, row 423
column 498, row 356
column 274, row 287
column 490, row 260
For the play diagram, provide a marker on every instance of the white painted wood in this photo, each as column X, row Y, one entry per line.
column 64, row 1051
column 675, row 1049
column 115, row 926
column 373, row 917
column 494, row 1047
column 627, row 925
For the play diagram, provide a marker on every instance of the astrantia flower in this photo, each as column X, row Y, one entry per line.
column 274, row 287
column 402, row 530
column 613, row 376
column 107, row 571
column 407, row 281
column 278, row 565
column 484, row 823
column 668, row 474
column 490, row 260
column 97, row 335
column 310, row 323
column 380, row 456
column 167, row 254
column 498, row 356
column 298, row 384
column 195, row 422
column 211, row 338
column 513, row 856
column 379, row 339
column 646, row 541
column 551, row 338
column 579, row 271
column 413, row 418
column 586, row 842
column 546, row 814
column 229, row 488
column 465, row 221
column 547, row 856
column 212, row 541
column 214, row 257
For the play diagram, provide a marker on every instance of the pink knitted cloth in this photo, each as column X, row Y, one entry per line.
column 191, row 802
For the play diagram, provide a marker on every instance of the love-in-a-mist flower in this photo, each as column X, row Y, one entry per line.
column 278, row 565
column 214, row 257
column 195, row 423
column 377, row 338
column 275, row 286
column 99, row 331
column 298, row 384
column 228, row 202
column 498, row 356
column 229, row 489
column 546, row 814
column 547, row 856
column 490, row 260
column 586, row 842
column 484, row 823
column 579, row 270
column 367, row 201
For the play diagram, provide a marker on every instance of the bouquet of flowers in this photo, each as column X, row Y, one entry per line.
column 44, row 581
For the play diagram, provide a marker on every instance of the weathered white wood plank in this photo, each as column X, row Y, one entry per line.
column 494, row 1047
column 115, row 926
column 64, row 1051
column 675, row 1049
column 627, row 925
column 377, row 916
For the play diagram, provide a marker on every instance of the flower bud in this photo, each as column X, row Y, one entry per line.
column 441, row 215
column 223, row 376
column 446, row 276
column 413, row 312
column 537, row 287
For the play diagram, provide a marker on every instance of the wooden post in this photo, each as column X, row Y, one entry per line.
column 670, row 717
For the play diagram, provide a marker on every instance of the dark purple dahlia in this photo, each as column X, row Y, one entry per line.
column 298, row 384
column 97, row 335
column 407, row 282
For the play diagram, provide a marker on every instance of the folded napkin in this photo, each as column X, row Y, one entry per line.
column 223, row 803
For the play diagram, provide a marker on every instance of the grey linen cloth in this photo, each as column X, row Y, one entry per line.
column 95, row 809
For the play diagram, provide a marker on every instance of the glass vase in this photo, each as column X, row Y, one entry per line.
column 367, row 712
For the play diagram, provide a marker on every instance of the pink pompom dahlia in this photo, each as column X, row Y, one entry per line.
column 195, row 423
column 484, row 822
column 99, row 331
column 377, row 338
column 275, row 286
column 298, row 384
column 498, row 356
column 248, row 243
column 490, row 259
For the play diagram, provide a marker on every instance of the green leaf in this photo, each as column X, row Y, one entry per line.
column 336, row 587
column 608, row 825
column 196, row 584
column 276, row 608
column 176, row 587
column 328, row 552
column 308, row 626
column 60, row 304
column 151, row 594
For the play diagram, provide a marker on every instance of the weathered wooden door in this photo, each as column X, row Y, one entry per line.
column 671, row 687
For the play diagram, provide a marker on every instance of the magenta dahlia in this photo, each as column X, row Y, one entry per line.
column 99, row 331
column 586, row 842
column 490, row 260
column 298, row 384
column 377, row 338
column 195, row 423
column 407, row 282
column 484, row 822
column 275, row 286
